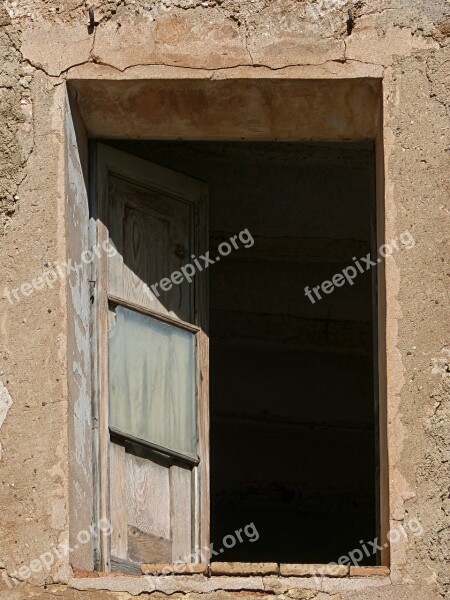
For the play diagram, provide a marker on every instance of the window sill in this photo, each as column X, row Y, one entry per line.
column 315, row 577
column 281, row 569
column 246, row 569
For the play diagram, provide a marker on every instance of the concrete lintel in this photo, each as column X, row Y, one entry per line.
column 233, row 109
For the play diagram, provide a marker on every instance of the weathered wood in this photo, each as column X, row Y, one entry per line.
column 78, row 335
column 181, row 512
column 143, row 546
column 145, row 252
column 100, row 375
column 152, row 216
column 203, row 440
column 118, row 501
column 202, row 475
column 148, row 496
column 151, row 211
column 124, row 566
column 182, row 458
column 151, row 313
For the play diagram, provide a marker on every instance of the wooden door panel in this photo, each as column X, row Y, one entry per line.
column 118, row 501
column 156, row 219
column 181, row 509
column 152, row 513
column 153, row 237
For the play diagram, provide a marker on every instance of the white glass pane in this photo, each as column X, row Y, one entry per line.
column 152, row 381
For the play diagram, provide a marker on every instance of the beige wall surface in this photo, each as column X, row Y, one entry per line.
column 45, row 419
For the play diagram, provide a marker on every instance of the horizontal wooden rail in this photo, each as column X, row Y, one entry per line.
column 116, row 433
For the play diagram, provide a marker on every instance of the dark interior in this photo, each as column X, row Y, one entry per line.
column 293, row 434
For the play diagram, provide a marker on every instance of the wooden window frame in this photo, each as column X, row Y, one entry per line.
column 100, row 300
column 92, row 118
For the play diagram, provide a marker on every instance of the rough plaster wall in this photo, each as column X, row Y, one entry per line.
column 34, row 433
column 407, row 42
column 271, row 590
column 417, row 151
column 11, row 156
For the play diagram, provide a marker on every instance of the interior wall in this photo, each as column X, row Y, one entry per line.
column 292, row 411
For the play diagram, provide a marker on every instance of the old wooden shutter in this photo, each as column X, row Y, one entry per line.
column 151, row 352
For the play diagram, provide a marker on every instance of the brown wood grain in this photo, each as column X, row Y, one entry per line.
column 143, row 546
column 202, row 320
column 120, row 565
column 100, row 375
column 152, row 235
column 148, row 496
column 118, row 501
column 181, row 511
column 155, row 218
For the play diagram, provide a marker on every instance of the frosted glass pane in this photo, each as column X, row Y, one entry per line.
column 152, row 381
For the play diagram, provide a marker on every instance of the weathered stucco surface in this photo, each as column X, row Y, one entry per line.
column 42, row 44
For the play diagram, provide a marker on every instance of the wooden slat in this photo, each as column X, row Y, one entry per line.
column 202, row 482
column 148, row 496
column 101, row 377
column 113, row 217
column 151, row 313
column 182, row 458
column 124, row 566
column 143, row 546
column 181, row 512
column 118, row 502
column 95, row 363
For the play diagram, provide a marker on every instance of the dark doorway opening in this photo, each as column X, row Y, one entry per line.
column 293, row 414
